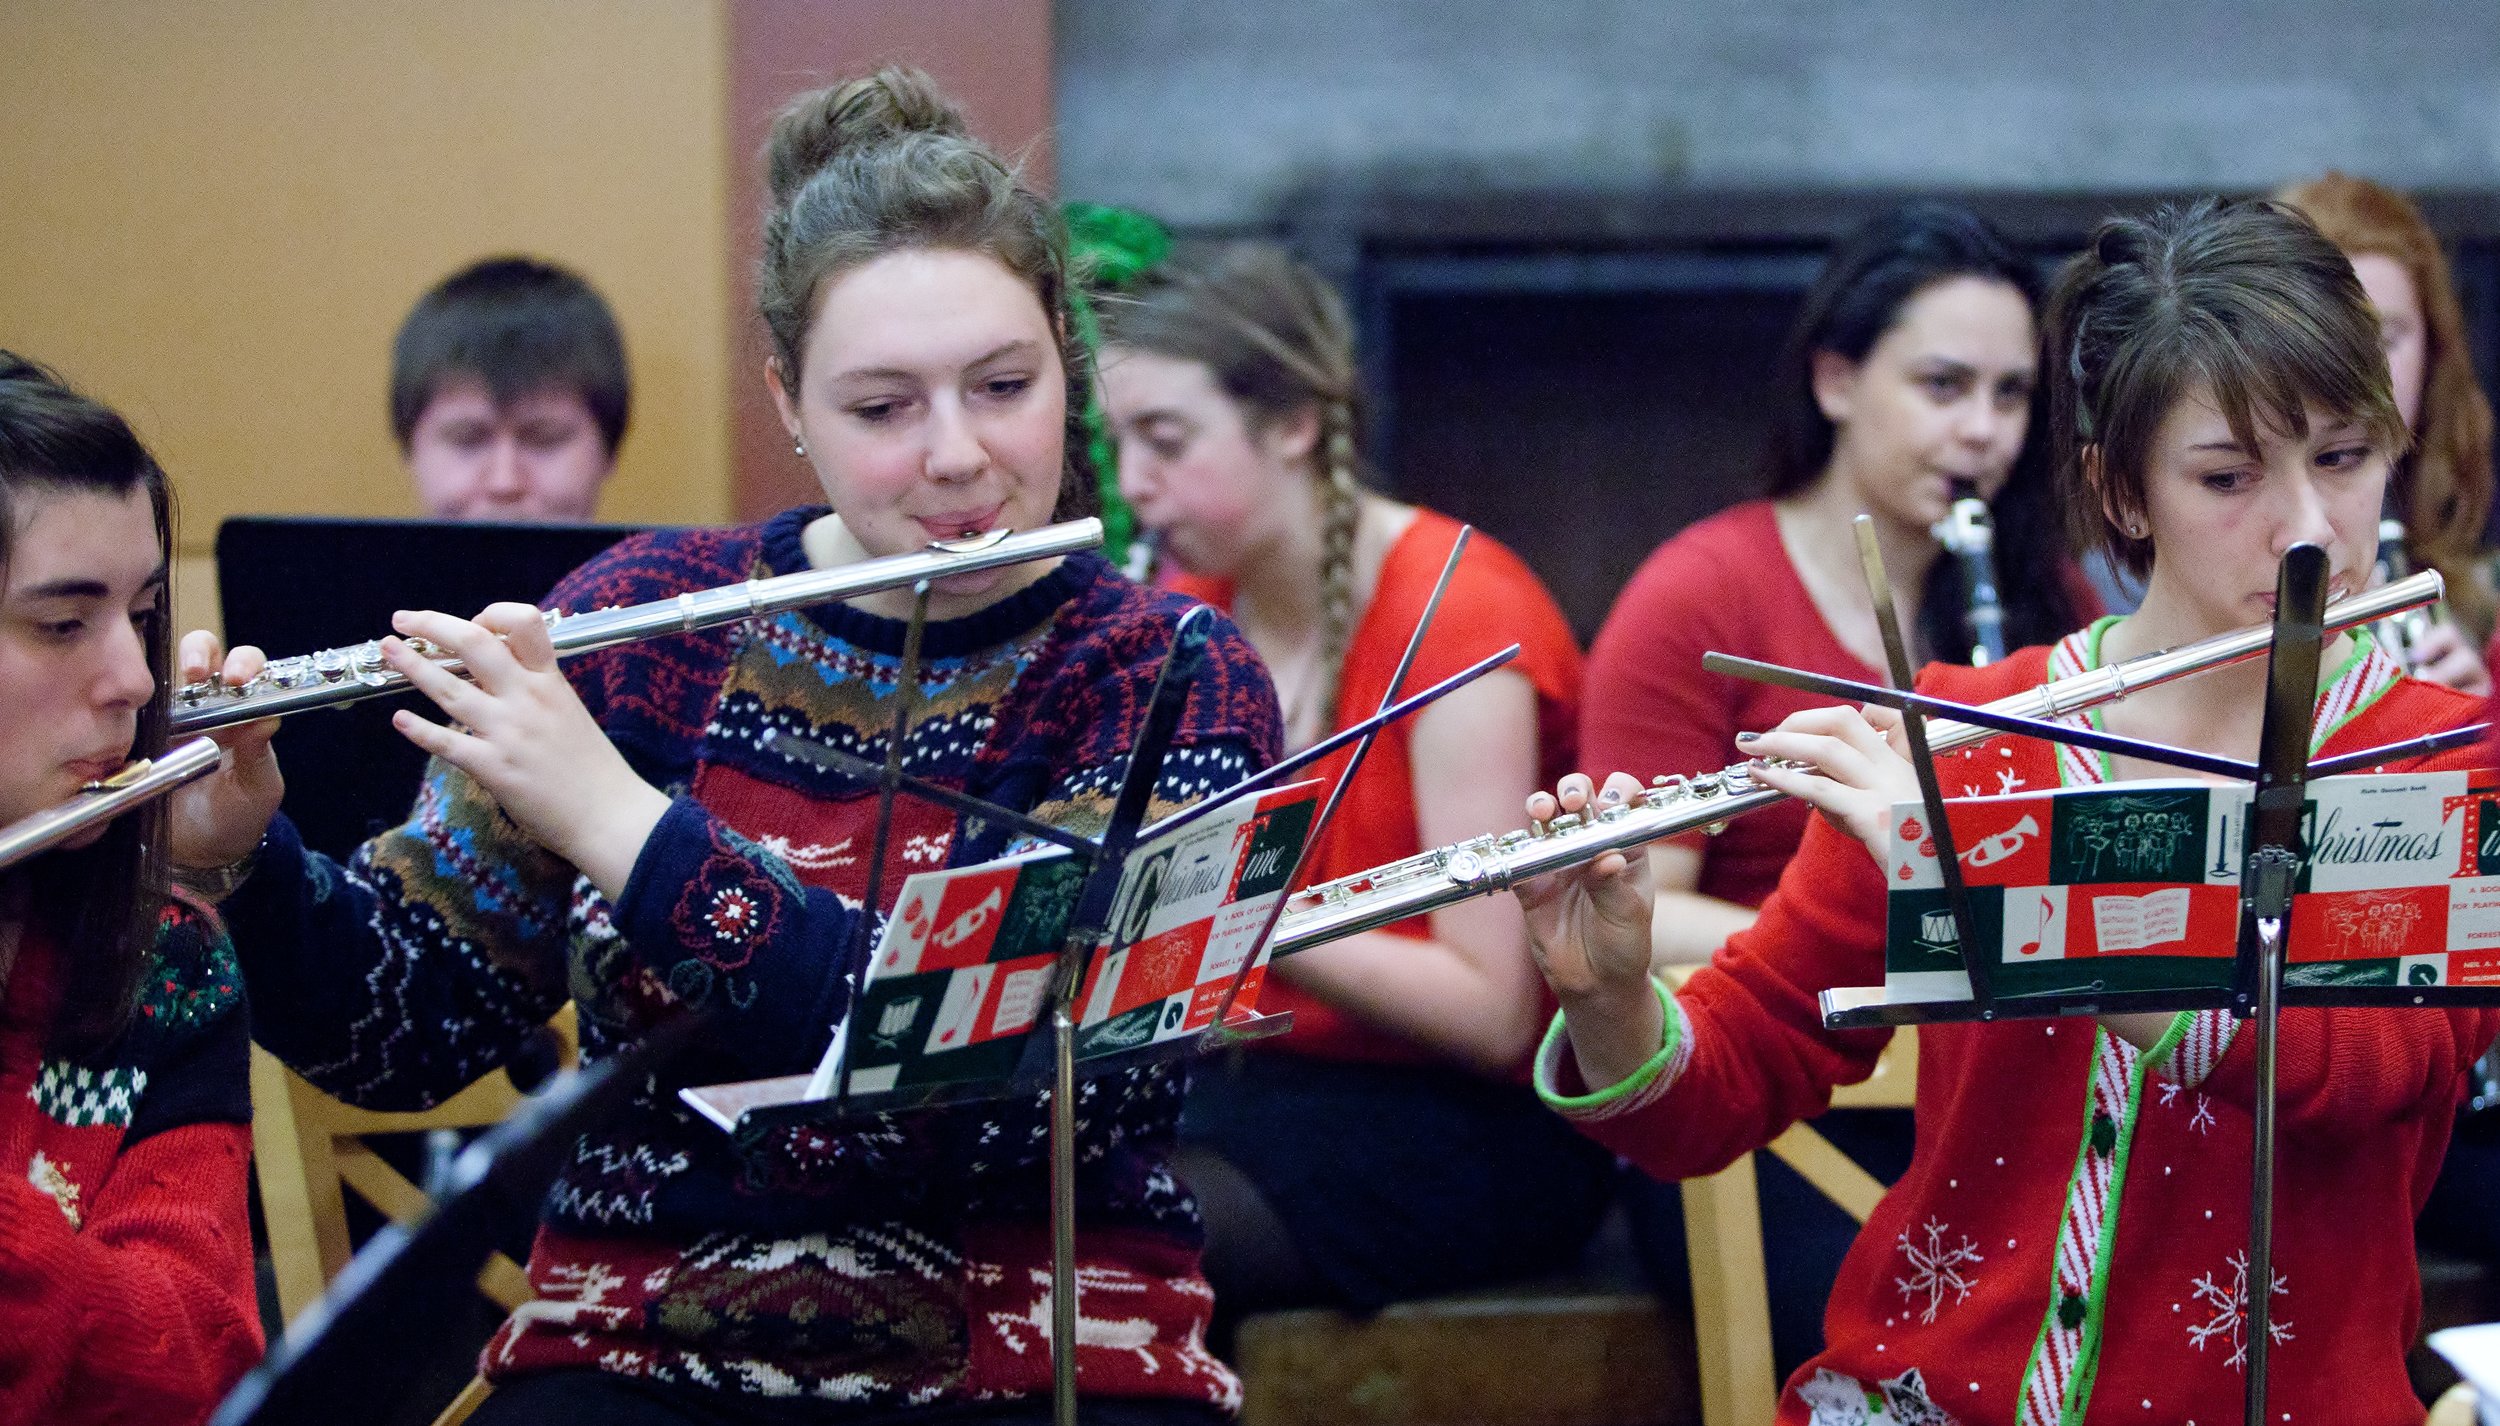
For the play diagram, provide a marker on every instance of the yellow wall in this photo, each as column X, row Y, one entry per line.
column 213, row 216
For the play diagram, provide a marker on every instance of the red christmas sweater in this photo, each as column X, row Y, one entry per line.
column 125, row 1258
column 2069, row 1243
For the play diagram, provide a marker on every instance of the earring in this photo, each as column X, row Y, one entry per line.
column 2135, row 529
column 798, row 447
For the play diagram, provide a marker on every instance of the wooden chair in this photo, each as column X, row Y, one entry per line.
column 2456, row 1408
column 1723, row 1236
column 308, row 1149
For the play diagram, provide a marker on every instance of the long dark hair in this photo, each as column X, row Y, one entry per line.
column 1870, row 277
column 100, row 904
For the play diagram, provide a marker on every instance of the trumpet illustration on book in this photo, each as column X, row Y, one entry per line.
column 2004, row 844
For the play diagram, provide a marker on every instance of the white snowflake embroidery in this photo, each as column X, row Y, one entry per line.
column 1936, row 1268
column 2201, row 1119
column 2229, row 1307
column 2007, row 781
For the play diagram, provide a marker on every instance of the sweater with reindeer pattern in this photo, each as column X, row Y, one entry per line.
column 895, row 1262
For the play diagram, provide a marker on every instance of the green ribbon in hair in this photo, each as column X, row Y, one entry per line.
column 1110, row 248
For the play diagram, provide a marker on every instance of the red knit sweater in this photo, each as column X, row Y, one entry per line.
column 2069, row 1241
column 125, row 1260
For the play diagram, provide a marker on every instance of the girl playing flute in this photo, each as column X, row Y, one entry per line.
column 633, row 831
column 2067, row 1234
column 125, row 1107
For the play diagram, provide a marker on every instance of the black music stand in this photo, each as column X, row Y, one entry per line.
column 2274, row 851
column 354, row 1343
column 293, row 584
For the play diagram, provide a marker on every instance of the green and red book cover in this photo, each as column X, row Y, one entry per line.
column 2135, row 886
column 964, row 970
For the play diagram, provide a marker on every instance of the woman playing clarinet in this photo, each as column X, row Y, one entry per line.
column 1908, row 386
column 2067, row 1233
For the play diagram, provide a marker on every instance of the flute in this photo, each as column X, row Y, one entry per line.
column 1441, row 877
column 346, row 675
column 105, row 799
column 1968, row 533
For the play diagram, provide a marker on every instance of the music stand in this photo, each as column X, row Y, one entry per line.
column 353, row 1342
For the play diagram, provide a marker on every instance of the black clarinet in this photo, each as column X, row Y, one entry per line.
column 1969, row 534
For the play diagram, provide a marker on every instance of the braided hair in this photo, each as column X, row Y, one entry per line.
column 1279, row 343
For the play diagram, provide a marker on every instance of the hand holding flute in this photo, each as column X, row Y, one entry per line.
column 517, row 727
column 1589, row 924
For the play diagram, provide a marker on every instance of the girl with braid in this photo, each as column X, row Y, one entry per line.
column 632, row 829
column 1386, row 1147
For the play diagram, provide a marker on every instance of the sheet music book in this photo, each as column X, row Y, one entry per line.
column 2135, row 886
column 963, row 973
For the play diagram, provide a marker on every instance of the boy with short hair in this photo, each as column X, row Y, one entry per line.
column 509, row 393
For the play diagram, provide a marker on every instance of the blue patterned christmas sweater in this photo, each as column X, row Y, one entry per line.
column 903, row 1261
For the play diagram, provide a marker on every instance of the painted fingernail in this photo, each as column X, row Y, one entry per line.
column 1747, row 737
column 1612, row 794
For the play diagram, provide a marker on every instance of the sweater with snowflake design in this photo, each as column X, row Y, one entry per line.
column 125, row 1259
column 899, row 1262
column 2069, row 1242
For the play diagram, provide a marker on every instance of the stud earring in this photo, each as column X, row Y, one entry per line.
column 798, row 447
column 2135, row 529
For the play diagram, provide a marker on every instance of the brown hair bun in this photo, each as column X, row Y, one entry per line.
column 819, row 126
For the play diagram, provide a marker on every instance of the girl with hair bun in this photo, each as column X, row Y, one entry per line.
column 1385, row 1149
column 628, row 830
column 2067, row 1232
column 125, row 1258
column 2443, row 487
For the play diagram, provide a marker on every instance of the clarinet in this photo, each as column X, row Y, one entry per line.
column 2401, row 632
column 1444, row 876
column 1145, row 554
column 1969, row 535
column 346, row 675
column 103, row 800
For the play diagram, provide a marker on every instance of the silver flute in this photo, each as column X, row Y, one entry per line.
column 101, row 801
column 344, row 675
column 1431, row 880
column 1968, row 533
